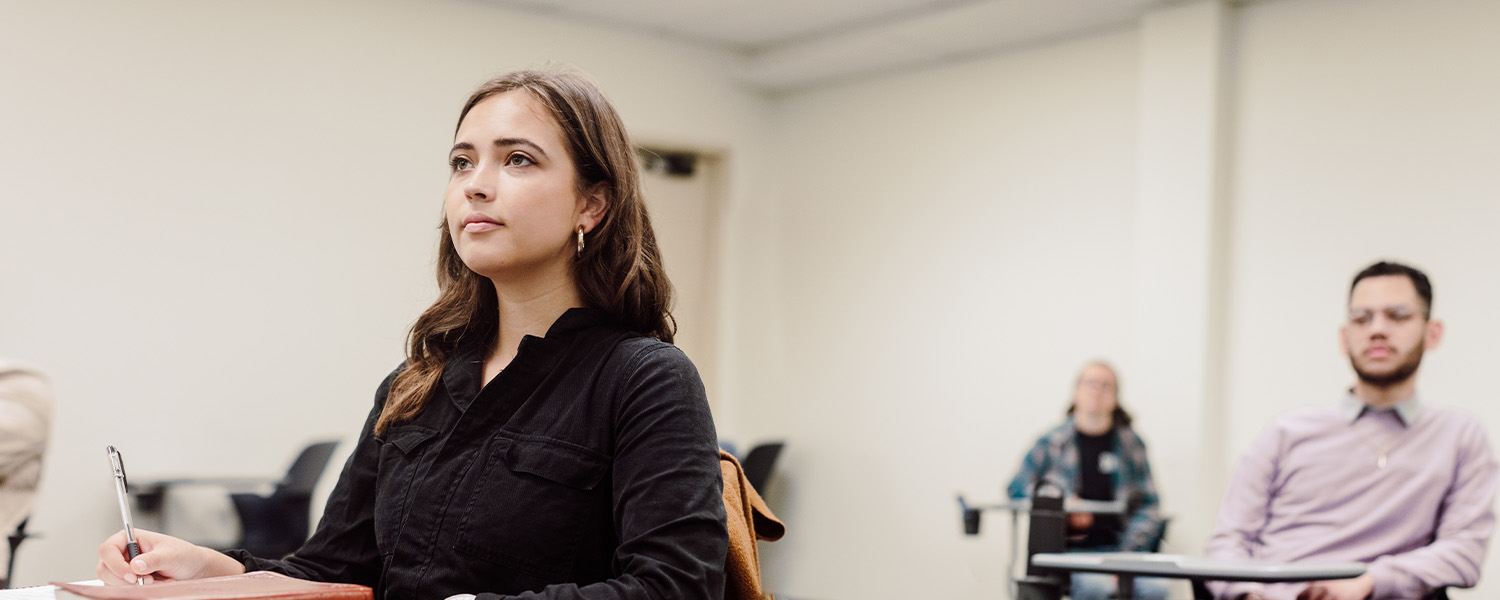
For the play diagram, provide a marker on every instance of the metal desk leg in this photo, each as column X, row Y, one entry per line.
column 1126, row 588
column 1010, row 568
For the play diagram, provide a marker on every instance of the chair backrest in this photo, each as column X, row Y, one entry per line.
column 1161, row 534
column 305, row 471
column 758, row 464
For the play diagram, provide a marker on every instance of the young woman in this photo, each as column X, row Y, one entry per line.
column 1095, row 455
column 543, row 435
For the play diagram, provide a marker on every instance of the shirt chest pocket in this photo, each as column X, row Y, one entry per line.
column 400, row 451
column 530, row 505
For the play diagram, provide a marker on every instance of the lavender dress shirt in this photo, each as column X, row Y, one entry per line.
column 1409, row 491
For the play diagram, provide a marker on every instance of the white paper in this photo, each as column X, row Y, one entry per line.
column 39, row 592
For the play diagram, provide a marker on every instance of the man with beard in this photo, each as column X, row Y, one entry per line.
column 1380, row 478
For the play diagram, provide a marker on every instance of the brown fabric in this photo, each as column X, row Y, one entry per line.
column 748, row 519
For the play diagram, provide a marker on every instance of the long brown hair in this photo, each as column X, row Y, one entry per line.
column 619, row 270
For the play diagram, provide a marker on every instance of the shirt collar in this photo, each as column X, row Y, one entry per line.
column 1407, row 410
column 464, row 374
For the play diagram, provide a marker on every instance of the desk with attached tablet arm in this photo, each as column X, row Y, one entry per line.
column 1047, row 565
column 1126, row 566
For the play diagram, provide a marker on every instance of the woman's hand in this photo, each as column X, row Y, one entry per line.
column 1080, row 521
column 162, row 558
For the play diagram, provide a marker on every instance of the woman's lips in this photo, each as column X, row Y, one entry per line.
column 480, row 223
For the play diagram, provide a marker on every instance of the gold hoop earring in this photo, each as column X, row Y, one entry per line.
column 580, row 240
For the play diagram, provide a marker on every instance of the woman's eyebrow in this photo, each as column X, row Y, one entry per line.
column 503, row 143
column 513, row 141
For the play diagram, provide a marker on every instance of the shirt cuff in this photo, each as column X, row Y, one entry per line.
column 1386, row 582
column 251, row 562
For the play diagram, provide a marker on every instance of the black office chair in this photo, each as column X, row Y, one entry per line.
column 276, row 525
column 1161, row 534
column 15, row 538
column 1047, row 532
column 759, row 463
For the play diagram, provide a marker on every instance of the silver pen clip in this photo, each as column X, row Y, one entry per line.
column 116, row 464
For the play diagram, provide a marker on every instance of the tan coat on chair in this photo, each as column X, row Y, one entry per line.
column 748, row 520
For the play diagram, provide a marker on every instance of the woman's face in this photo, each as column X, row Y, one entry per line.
column 513, row 205
column 1095, row 393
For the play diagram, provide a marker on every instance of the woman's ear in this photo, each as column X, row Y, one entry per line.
column 595, row 205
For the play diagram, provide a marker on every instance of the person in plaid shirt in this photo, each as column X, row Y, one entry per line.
column 1095, row 455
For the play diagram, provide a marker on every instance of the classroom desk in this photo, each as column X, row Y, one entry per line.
column 1128, row 565
column 971, row 517
column 1103, row 507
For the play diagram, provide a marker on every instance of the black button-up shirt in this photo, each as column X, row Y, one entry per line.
column 586, row 469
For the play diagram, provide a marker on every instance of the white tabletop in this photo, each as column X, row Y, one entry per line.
column 1079, row 505
column 1192, row 567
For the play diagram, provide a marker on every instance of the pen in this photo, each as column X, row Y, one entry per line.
column 117, row 464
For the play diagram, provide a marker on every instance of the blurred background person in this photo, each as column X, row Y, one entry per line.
column 25, row 419
column 1381, row 477
column 1095, row 455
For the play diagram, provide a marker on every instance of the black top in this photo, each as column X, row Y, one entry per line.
column 1097, row 465
column 586, row 469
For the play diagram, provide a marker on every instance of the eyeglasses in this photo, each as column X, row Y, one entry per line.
column 1098, row 384
column 1397, row 314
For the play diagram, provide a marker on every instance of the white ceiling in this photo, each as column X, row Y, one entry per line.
column 798, row 43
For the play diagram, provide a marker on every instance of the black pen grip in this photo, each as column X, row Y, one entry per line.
column 134, row 549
